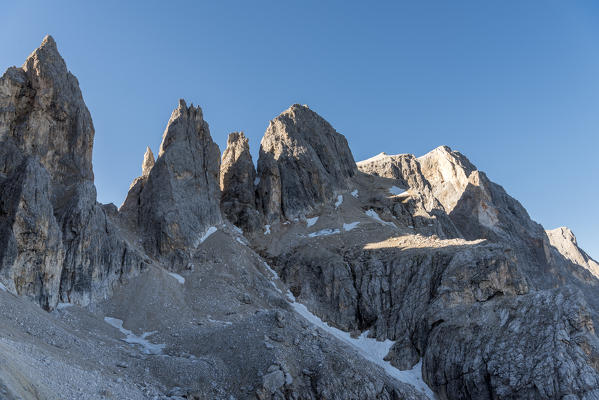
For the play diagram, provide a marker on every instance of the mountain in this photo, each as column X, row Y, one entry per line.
column 309, row 277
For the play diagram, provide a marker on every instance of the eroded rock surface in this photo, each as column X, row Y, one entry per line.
column 177, row 198
column 59, row 243
column 237, row 184
column 565, row 242
column 303, row 162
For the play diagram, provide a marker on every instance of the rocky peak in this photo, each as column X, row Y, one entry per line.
column 181, row 198
column 57, row 242
column 56, row 125
column 447, row 171
column 303, row 162
column 564, row 241
column 148, row 162
column 237, row 183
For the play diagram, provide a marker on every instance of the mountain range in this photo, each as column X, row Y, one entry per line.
column 304, row 275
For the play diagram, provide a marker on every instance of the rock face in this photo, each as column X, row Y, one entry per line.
column 148, row 162
column 565, row 242
column 303, row 162
column 237, row 184
column 177, row 198
column 57, row 241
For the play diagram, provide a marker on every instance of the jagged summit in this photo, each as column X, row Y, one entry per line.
column 564, row 240
column 303, row 162
column 437, row 282
column 237, row 183
column 148, row 162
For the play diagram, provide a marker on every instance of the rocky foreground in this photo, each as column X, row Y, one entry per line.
column 309, row 277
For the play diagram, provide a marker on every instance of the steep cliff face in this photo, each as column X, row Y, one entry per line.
column 58, row 243
column 237, row 183
column 303, row 162
column 177, row 198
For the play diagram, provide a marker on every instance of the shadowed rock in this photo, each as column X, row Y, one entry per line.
column 54, row 230
column 237, row 179
column 180, row 199
column 303, row 162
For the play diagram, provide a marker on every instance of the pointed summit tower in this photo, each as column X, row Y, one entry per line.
column 303, row 162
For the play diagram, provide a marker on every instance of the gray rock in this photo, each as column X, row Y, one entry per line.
column 565, row 243
column 180, row 199
column 273, row 381
column 303, row 162
column 46, row 137
column 237, row 177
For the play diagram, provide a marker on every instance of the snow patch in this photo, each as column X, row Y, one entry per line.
column 131, row 338
column 3, row 288
column 324, row 232
column 373, row 214
column 208, row 232
column 240, row 241
column 372, row 350
column 339, row 201
column 267, row 229
column 394, row 190
column 256, row 181
column 62, row 306
column 355, row 193
column 237, row 229
column 219, row 322
column 178, row 277
column 311, row 221
column 274, row 276
column 350, row 226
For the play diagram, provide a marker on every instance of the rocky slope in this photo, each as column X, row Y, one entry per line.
column 398, row 277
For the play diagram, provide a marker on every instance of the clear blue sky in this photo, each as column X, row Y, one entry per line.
column 514, row 85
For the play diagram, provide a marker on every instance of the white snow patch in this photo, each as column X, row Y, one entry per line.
column 256, row 181
column 240, row 241
column 178, row 277
column 131, row 338
column 339, row 201
column 267, row 229
column 350, row 226
column 208, row 232
column 220, row 322
column 274, row 276
column 311, row 221
column 324, row 232
column 62, row 306
column 237, row 229
column 394, row 190
column 372, row 350
column 373, row 214
column 3, row 288
column 355, row 193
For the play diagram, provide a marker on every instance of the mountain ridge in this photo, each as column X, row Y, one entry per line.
column 277, row 281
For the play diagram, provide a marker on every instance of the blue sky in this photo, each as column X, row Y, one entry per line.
column 513, row 85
